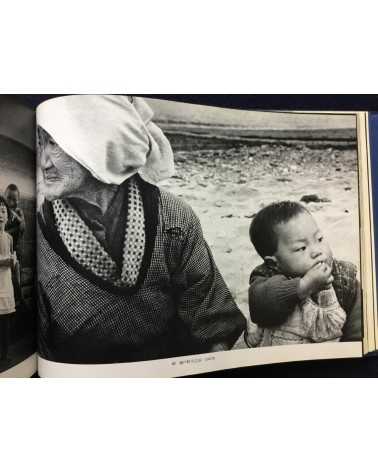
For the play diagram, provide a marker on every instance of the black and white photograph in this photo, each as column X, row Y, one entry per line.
column 17, row 233
column 167, row 229
column 277, row 196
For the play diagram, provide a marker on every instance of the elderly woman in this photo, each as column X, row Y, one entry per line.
column 124, row 271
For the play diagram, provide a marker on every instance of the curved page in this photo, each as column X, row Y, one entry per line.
column 176, row 239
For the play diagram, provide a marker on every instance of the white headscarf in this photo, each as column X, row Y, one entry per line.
column 109, row 136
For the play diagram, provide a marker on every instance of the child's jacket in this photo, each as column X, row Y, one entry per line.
column 273, row 297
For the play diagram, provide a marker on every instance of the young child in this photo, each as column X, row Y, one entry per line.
column 301, row 294
column 16, row 227
column 7, row 264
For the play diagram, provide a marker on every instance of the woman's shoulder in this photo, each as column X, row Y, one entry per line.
column 345, row 276
column 178, row 216
column 171, row 206
column 345, row 283
column 176, row 210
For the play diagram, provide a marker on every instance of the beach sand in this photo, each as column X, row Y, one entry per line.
column 226, row 187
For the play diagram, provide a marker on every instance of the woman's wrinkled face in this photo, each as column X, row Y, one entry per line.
column 62, row 176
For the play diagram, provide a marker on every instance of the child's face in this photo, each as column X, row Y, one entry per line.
column 301, row 245
column 3, row 214
column 13, row 199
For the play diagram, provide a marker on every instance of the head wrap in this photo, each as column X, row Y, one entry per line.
column 110, row 135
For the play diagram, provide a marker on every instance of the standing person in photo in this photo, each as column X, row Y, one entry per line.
column 7, row 264
column 16, row 228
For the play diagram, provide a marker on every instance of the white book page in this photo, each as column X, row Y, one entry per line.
column 229, row 166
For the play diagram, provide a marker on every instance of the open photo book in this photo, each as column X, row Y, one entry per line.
column 153, row 238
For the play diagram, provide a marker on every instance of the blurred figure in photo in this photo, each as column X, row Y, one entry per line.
column 7, row 265
column 16, row 228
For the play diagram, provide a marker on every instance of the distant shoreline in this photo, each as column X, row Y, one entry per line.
column 211, row 136
column 244, row 133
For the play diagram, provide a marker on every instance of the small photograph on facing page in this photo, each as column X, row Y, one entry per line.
column 17, row 233
column 150, row 219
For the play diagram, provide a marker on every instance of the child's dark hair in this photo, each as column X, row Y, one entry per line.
column 3, row 202
column 262, row 231
column 12, row 188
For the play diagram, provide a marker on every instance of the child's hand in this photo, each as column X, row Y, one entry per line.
column 317, row 278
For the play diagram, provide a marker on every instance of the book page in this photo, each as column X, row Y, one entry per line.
column 371, row 140
column 177, row 239
column 17, row 239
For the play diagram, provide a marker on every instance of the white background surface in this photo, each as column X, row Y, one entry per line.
column 188, row 47
column 188, row 425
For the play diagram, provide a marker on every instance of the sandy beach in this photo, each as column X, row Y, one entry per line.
column 226, row 183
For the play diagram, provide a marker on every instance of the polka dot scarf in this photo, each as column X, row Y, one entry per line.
column 89, row 253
